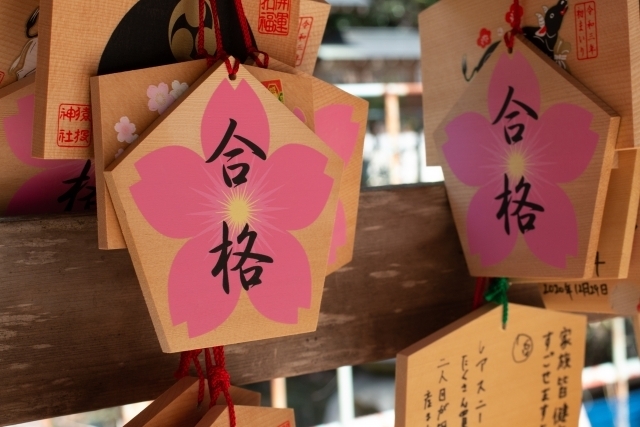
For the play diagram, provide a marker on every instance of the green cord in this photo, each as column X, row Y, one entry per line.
column 497, row 293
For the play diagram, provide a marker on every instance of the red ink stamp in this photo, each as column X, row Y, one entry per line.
column 275, row 17
column 305, row 23
column 285, row 424
column 275, row 87
column 74, row 125
column 586, row 30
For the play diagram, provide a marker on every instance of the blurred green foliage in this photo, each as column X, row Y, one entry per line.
column 382, row 13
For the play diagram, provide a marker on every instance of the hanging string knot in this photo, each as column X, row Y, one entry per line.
column 497, row 293
column 255, row 54
column 221, row 54
column 514, row 18
column 219, row 379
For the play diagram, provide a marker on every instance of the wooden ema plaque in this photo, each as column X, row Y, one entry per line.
column 528, row 155
column 249, row 416
column 590, row 39
column 19, row 35
column 474, row 373
column 341, row 122
column 128, row 35
column 478, row 34
column 125, row 104
column 31, row 186
column 227, row 204
column 178, row 406
column 312, row 23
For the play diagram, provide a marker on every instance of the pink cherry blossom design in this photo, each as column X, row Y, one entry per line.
column 159, row 97
column 334, row 127
column 285, row 192
column 557, row 148
column 126, row 130
column 45, row 192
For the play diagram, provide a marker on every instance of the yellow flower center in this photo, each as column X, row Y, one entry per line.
column 238, row 210
column 516, row 165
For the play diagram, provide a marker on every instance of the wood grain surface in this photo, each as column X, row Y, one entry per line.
column 158, row 258
column 75, row 334
column 586, row 190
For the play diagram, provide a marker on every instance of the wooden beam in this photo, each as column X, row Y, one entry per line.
column 75, row 334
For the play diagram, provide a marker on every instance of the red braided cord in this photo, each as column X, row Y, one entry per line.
column 509, row 36
column 478, row 297
column 201, row 12
column 219, row 380
column 186, row 357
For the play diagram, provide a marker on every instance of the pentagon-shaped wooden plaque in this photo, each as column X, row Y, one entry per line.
column 227, row 204
column 528, row 153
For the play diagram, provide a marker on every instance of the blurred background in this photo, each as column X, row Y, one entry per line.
column 371, row 49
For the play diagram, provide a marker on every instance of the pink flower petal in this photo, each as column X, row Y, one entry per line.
column 556, row 229
column 339, row 237
column 19, row 132
column 516, row 72
column 485, row 232
column 40, row 194
column 564, row 145
column 242, row 105
column 195, row 296
column 473, row 149
column 286, row 283
column 334, row 126
column 170, row 193
column 297, row 185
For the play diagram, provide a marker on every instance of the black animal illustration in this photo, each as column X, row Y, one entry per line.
column 545, row 36
column 25, row 63
column 143, row 38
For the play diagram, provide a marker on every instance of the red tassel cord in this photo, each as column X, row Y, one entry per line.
column 516, row 16
column 478, row 297
column 220, row 55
